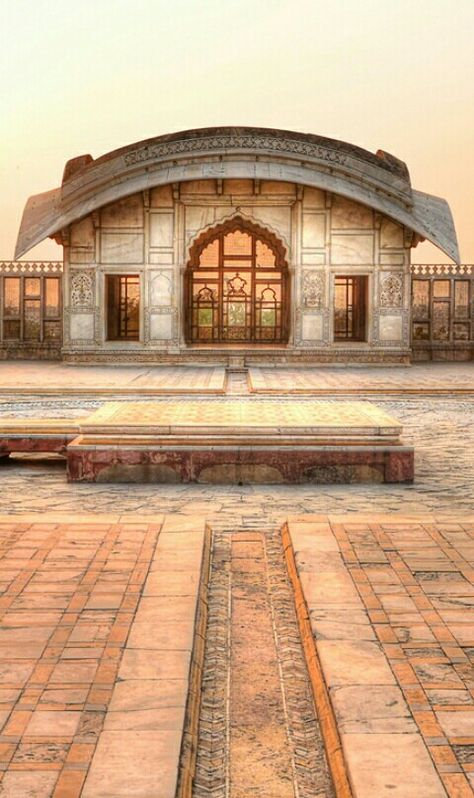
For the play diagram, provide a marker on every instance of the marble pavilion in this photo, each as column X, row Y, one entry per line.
column 237, row 246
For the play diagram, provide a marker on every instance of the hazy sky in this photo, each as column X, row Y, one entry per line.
column 87, row 76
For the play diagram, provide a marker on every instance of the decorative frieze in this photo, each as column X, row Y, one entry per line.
column 236, row 142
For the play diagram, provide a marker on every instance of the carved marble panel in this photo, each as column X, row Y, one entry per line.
column 391, row 290
column 161, row 288
column 312, row 258
column 82, row 241
column 82, row 234
column 312, row 289
column 161, row 258
column 82, row 287
column 198, row 217
column 392, row 258
column 277, row 217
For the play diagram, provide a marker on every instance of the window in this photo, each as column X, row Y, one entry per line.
column 237, row 287
column 350, row 302
column 123, row 307
column 31, row 308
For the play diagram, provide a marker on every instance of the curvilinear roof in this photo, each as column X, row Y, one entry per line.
column 379, row 181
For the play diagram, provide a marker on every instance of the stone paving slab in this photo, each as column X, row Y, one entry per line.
column 439, row 378
column 78, row 715
column 385, row 605
column 24, row 378
column 239, row 418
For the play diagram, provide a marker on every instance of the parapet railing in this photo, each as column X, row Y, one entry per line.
column 442, row 269
column 56, row 267
column 31, row 266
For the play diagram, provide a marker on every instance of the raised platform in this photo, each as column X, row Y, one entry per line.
column 239, row 442
column 445, row 380
column 30, row 378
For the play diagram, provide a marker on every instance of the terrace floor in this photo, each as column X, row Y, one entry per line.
column 119, row 601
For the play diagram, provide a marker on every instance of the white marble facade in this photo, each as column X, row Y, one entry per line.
column 150, row 234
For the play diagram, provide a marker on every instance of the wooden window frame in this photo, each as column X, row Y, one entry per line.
column 116, row 322
column 356, row 312
column 253, row 307
column 40, row 297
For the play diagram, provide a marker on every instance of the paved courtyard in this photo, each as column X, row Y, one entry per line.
column 84, row 686
column 440, row 428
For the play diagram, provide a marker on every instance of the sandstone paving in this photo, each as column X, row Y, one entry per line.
column 75, row 717
column 99, row 688
column 398, row 670
column 429, row 649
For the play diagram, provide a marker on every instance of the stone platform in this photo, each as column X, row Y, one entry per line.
column 34, row 378
column 239, row 442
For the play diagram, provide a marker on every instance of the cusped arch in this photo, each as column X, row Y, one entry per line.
column 237, row 296
column 238, row 221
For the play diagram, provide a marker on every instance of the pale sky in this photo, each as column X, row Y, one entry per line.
column 88, row 76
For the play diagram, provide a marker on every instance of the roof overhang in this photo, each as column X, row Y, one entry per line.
column 379, row 181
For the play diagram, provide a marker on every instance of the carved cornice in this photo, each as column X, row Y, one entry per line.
column 379, row 181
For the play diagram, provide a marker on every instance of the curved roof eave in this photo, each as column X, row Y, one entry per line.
column 146, row 165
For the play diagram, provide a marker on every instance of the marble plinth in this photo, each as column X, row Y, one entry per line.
column 240, row 442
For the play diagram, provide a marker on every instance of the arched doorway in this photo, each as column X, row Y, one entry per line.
column 237, row 287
